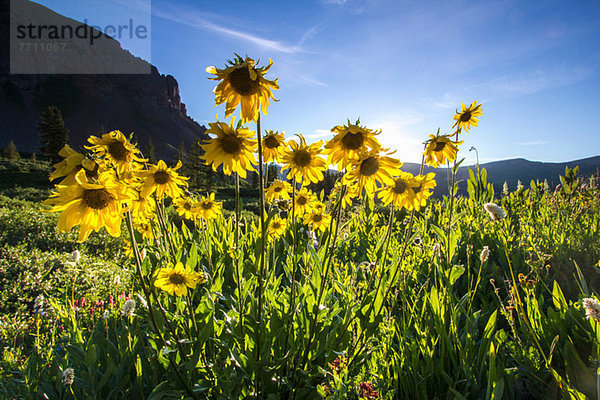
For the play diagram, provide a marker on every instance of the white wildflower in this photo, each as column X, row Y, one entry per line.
column 68, row 376
column 485, row 253
column 505, row 190
column 75, row 256
column 143, row 254
column 495, row 211
column 128, row 308
column 116, row 280
column 106, row 314
column 519, row 185
column 437, row 249
column 592, row 308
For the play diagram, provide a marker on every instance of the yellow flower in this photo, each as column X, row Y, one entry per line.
column 145, row 228
column 319, row 207
column 303, row 161
column 303, row 202
column 400, row 193
column 243, row 82
column 350, row 193
column 276, row 227
column 208, row 208
column 92, row 205
column 349, row 143
column 424, row 190
column 186, row 207
column 163, row 180
column 177, row 280
column 440, row 149
column 273, row 145
column 279, row 190
column 233, row 147
column 467, row 117
column 318, row 221
column 142, row 208
column 371, row 168
column 117, row 150
column 72, row 163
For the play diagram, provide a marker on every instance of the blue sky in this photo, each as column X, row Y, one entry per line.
column 401, row 66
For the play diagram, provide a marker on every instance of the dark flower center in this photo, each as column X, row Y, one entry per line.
column 93, row 174
column 176, row 278
column 271, row 142
column 301, row 200
column 277, row 189
column 302, row 158
column 399, row 186
column 417, row 189
column 439, row 146
column 276, row 225
column 207, row 205
column 231, row 144
column 317, row 218
column 97, row 199
column 118, row 151
column 187, row 206
column 353, row 141
column 241, row 82
column 466, row 116
column 161, row 177
column 369, row 166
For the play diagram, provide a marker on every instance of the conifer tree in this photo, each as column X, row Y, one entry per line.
column 149, row 152
column 10, row 152
column 53, row 133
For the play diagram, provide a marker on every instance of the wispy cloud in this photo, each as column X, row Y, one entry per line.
column 532, row 143
column 200, row 21
column 319, row 134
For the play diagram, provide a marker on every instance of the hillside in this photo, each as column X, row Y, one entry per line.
column 147, row 104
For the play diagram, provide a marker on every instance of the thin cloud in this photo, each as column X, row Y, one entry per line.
column 320, row 133
column 532, row 143
column 197, row 20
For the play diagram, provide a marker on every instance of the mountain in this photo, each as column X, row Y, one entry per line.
column 510, row 171
column 149, row 105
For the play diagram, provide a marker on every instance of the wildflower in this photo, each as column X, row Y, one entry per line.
column 467, row 117
column 437, row 249
column 519, row 185
column 495, row 211
column 273, row 145
column 243, row 83
column 338, row 364
column 117, row 150
column 163, row 180
column 592, row 308
column 351, row 140
column 366, row 390
column 68, row 376
column 283, row 205
column 505, row 190
column 485, row 253
column 350, row 193
column 116, row 280
column 143, row 301
column 92, row 205
column 208, row 208
column 373, row 168
column 318, row 220
column 178, row 279
column 234, row 147
column 304, row 161
column 276, row 227
column 72, row 163
column 304, row 201
column 74, row 257
column 38, row 304
column 424, row 190
column 106, row 314
column 312, row 238
column 440, row 149
column 128, row 308
column 143, row 254
column 279, row 190
column 185, row 207
column 401, row 192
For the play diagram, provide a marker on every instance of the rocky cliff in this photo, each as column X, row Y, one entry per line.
column 149, row 105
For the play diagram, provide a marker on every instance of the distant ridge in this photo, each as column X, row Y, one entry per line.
column 511, row 171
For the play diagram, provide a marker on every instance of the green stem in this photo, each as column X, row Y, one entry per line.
column 261, row 190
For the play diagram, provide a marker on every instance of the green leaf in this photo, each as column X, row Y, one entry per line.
column 456, row 272
column 558, row 298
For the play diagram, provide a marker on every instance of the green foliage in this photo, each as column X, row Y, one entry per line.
column 10, row 152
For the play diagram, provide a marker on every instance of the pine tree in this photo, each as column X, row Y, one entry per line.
column 53, row 133
column 149, row 152
column 10, row 152
column 202, row 176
